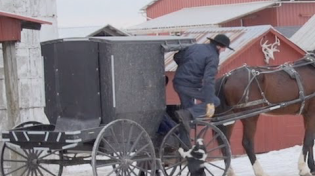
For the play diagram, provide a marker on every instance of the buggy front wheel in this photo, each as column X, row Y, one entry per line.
column 123, row 148
column 217, row 149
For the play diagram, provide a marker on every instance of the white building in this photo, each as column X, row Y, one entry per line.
column 29, row 59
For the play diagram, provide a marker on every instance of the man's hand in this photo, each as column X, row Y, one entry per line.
column 210, row 110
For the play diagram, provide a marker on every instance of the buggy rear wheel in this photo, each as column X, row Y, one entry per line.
column 28, row 162
column 217, row 146
column 123, row 148
column 16, row 161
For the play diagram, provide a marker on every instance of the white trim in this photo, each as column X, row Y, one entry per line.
column 73, row 140
column 15, row 137
column 72, row 132
column 58, row 138
column 36, row 132
column 41, row 148
column 113, row 80
column 70, row 146
column 5, row 132
column 5, row 139
column 26, row 136
column 46, row 136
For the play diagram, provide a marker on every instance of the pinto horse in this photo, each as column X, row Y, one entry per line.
column 248, row 88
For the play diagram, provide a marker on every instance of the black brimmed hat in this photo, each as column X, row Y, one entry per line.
column 222, row 40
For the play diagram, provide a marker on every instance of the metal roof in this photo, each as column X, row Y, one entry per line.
column 240, row 37
column 305, row 36
column 108, row 30
column 26, row 22
column 202, row 16
column 148, row 5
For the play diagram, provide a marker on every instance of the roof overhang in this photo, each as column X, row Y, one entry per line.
column 305, row 36
column 205, row 16
column 108, row 30
column 26, row 22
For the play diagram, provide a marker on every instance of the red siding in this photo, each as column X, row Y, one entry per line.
column 287, row 53
column 10, row 29
column 286, row 14
column 295, row 14
column 163, row 7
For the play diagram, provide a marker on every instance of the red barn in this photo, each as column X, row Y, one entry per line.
column 178, row 15
column 275, row 132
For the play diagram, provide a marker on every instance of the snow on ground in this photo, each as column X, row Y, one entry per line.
column 274, row 163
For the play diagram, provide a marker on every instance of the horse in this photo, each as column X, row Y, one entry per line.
column 248, row 88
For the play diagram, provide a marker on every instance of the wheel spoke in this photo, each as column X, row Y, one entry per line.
column 140, row 150
column 27, row 152
column 181, row 142
column 140, row 168
column 48, row 154
column 15, row 170
column 24, row 171
column 209, row 171
column 114, row 170
column 203, row 132
column 123, row 138
column 112, row 148
column 212, row 140
column 132, row 170
column 16, row 152
column 40, row 172
column 107, row 155
column 28, row 173
column 216, row 148
column 215, row 166
column 136, row 142
column 46, row 170
column 182, row 169
column 107, row 164
column 130, row 135
column 15, row 161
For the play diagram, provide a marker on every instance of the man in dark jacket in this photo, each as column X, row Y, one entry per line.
column 195, row 78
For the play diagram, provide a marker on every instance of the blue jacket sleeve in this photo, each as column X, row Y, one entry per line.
column 210, row 73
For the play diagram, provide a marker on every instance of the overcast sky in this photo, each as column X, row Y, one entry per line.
column 119, row 13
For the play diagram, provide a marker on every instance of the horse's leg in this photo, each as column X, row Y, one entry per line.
column 227, row 131
column 249, row 130
column 308, row 143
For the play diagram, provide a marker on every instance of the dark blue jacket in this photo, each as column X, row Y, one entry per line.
column 197, row 68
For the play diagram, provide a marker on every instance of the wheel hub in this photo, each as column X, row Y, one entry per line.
column 32, row 161
column 126, row 161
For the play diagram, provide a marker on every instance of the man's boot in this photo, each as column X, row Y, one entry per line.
column 184, row 117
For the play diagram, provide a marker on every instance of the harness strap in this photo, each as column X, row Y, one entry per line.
column 311, row 57
column 252, row 76
column 295, row 75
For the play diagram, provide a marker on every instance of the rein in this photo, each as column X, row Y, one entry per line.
column 253, row 73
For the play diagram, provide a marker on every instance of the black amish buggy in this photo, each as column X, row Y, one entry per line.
column 105, row 100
